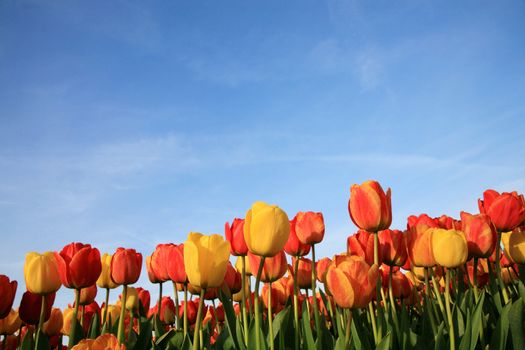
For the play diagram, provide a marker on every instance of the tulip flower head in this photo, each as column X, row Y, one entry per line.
column 41, row 273
column 274, row 267
column 11, row 323
column 104, row 280
column 235, row 235
column 369, row 207
column 7, row 295
column 309, row 227
column 480, row 233
column 362, row 244
column 514, row 243
column 175, row 264
column 393, row 247
column 79, row 265
column 294, row 246
column 449, row 247
column 157, row 263
column 506, row 210
column 126, row 265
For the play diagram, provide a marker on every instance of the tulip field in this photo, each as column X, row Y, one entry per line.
column 438, row 283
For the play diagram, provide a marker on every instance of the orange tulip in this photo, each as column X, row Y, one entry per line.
column 352, row 282
column 419, row 240
column 480, row 233
column 322, row 268
column 53, row 326
column 7, row 295
column 303, row 273
column 175, row 265
column 293, row 246
column 88, row 295
column 278, row 295
column 362, row 244
column 235, row 235
column 273, row 268
column 392, row 247
column 369, row 207
column 11, row 323
column 126, row 265
column 506, row 210
column 309, row 227
column 448, row 223
column 401, row 288
column 157, row 263
column 79, row 265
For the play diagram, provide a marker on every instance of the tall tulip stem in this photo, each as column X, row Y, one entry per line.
column 40, row 321
column 296, row 304
column 449, row 313
column 120, row 334
column 314, row 294
column 432, row 311
column 438, row 295
column 393, row 302
column 243, row 300
column 73, row 329
column 159, row 305
column 378, row 283
column 475, row 278
column 270, row 321
column 373, row 321
column 105, row 326
column 198, row 321
column 498, row 270
column 257, row 312
column 176, row 295
column 185, row 323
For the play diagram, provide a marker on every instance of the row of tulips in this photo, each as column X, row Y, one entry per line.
column 441, row 282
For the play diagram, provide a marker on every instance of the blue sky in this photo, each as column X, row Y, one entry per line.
column 130, row 123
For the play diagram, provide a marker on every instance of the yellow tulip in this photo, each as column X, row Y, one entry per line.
column 449, row 247
column 132, row 299
column 41, row 273
column 514, row 243
column 104, row 280
column 206, row 259
column 11, row 323
column 67, row 315
column 113, row 312
column 238, row 266
column 266, row 229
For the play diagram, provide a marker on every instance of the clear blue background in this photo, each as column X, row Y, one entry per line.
column 130, row 123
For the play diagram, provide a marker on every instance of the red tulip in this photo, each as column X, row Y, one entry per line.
column 419, row 239
column 309, row 227
column 30, row 306
column 480, row 233
column 157, row 263
column 79, row 265
column 168, row 310
column 193, row 306
column 126, row 265
column 235, row 235
column 88, row 295
column 392, row 247
column 175, row 267
column 303, row 273
column 278, row 295
column 362, row 244
column 448, row 223
column 7, row 295
column 506, row 210
column 293, row 246
column 369, row 207
column 144, row 297
column 322, row 268
column 232, row 279
column 401, row 287
column 274, row 267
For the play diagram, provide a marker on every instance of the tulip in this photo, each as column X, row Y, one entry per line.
column 309, row 227
column 266, row 229
column 54, row 324
column 278, row 297
column 480, row 234
column 448, row 223
column 104, row 280
column 362, row 244
column 175, row 264
column 157, row 263
column 10, row 323
column 104, row 342
column 369, row 207
column 506, row 210
column 392, row 247
column 191, row 307
column 167, row 315
column 294, row 246
column 41, row 273
column 273, row 268
column 514, row 243
column 87, row 295
column 238, row 266
column 401, row 288
column 322, row 268
column 112, row 313
column 144, row 298
column 235, row 235
column 126, row 265
column 419, row 240
column 67, row 316
column 303, row 272
column 84, row 344
column 132, row 300
column 352, row 283
column 79, row 265
column 232, row 280
column 7, row 295
column 31, row 307
column 449, row 247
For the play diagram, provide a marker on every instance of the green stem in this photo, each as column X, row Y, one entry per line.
column 314, row 294
column 348, row 326
column 257, row 313
column 159, row 305
column 270, row 321
column 216, row 317
column 427, row 303
column 449, row 313
column 243, row 300
column 198, row 321
column 373, row 320
column 82, row 312
column 296, row 304
column 120, row 334
column 40, row 321
column 105, row 328
column 185, row 310
column 498, row 270
column 176, row 295
column 378, row 283
column 438, row 295
column 393, row 303
column 73, row 329
column 475, row 277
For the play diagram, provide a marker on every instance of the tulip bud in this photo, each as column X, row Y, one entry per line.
column 514, row 243
column 126, row 265
column 362, row 244
column 418, row 240
column 392, row 247
column 309, row 227
column 41, row 273
column 88, row 295
column 293, row 245
column 157, row 263
column 266, row 229
column 303, row 273
column 7, row 295
column 273, row 268
column 104, row 280
column 53, row 326
column 449, row 247
column 322, row 268
column 175, row 267
column 369, row 207
column 480, row 234
column 11, row 323
column 79, row 265
column 506, row 210
column 113, row 313
column 278, row 295
column 167, row 315
column 235, row 235
column 30, row 307
column 206, row 259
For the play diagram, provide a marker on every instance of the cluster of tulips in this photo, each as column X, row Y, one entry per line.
column 441, row 283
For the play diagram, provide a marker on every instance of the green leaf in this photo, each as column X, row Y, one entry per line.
column 27, row 342
column 163, row 340
column 158, row 326
column 440, row 338
column 465, row 340
column 94, row 327
column 280, row 321
column 144, row 338
column 252, row 336
column 385, row 343
column 79, row 333
column 231, row 319
column 517, row 329
column 43, row 342
column 477, row 322
column 499, row 336
column 340, row 344
column 308, row 335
